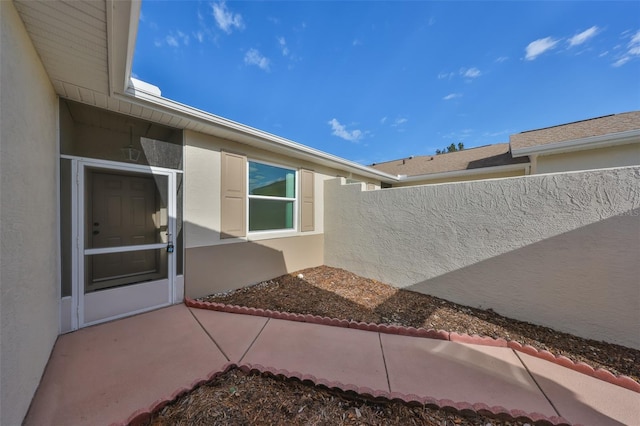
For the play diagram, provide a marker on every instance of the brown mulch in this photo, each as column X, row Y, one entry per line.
column 337, row 293
column 239, row 398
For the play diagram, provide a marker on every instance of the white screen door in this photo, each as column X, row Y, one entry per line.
column 126, row 220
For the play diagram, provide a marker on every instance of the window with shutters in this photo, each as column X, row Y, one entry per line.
column 272, row 195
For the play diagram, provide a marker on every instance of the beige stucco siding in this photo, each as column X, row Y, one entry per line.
column 560, row 250
column 28, row 243
column 216, row 264
column 601, row 158
column 220, row 268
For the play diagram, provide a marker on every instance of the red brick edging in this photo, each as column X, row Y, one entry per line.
column 600, row 373
column 142, row 416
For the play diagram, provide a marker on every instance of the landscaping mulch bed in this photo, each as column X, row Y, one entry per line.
column 336, row 293
column 239, row 398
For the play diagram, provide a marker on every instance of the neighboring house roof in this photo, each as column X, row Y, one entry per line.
column 592, row 133
column 473, row 158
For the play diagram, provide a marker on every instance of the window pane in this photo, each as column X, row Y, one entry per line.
column 270, row 214
column 271, row 181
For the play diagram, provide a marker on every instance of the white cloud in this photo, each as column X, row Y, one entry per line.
column 444, row 75
column 226, row 19
column 582, row 37
column 254, row 57
column 172, row 41
column 470, row 73
column 283, row 46
column 399, row 122
column 341, row 131
column 452, row 96
column 356, row 42
column 383, row 120
column 538, row 47
column 185, row 38
column 199, row 36
column 502, row 59
column 633, row 50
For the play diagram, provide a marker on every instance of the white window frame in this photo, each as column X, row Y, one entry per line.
column 273, row 232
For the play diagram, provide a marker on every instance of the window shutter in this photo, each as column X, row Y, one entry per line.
column 233, row 193
column 307, row 212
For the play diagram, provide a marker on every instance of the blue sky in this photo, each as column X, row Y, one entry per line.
column 374, row 81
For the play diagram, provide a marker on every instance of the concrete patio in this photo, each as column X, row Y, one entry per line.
column 107, row 373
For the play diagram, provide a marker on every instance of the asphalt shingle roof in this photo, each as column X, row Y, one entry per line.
column 473, row 158
column 598, row 126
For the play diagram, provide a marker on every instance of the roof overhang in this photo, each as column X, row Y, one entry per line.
column 465, row 173
column 593, row 142
column 148, row 96
column 122, row 30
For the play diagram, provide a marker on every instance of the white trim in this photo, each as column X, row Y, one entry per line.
column 223, row 127
column 465, row 172
column 178, row 289
column 127, row 301
column 109, row 164
column 592, row 142
column 75, row 246
column 123, row 249
column 134, row 18
column 79, row 304
column 273, row 233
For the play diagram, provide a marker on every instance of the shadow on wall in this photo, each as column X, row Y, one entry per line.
column 222, row 267
column 593, row 292
column 231, row 265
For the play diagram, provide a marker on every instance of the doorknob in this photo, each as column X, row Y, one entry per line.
column 96, row 232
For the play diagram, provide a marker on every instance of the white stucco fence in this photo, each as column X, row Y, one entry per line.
column 560, row 250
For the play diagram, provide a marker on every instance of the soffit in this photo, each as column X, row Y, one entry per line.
column 85, row 47
column 71, row 40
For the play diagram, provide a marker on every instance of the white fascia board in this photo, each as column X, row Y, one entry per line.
column 593, row 142
column 147, row 95
column 465, row 172
column 122, row 29
column 134, row 18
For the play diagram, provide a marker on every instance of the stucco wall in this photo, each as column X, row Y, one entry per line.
column 559, row 250
column 214, row 264
column 28, row 224
column 224, row 267
column 614, row 156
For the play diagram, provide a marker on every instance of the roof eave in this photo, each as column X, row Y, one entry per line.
column 122, row 29
column 465, row 172
column 148, row 96
column 592, row 142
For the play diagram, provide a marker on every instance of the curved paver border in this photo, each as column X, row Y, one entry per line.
column 143, row 415
column 599, row 373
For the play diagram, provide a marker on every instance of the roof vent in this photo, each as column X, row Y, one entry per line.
column 144, row 87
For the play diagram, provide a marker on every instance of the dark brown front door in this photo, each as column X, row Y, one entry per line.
column 124, row 210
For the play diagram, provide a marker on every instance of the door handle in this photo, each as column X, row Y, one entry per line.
column 96, row 232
